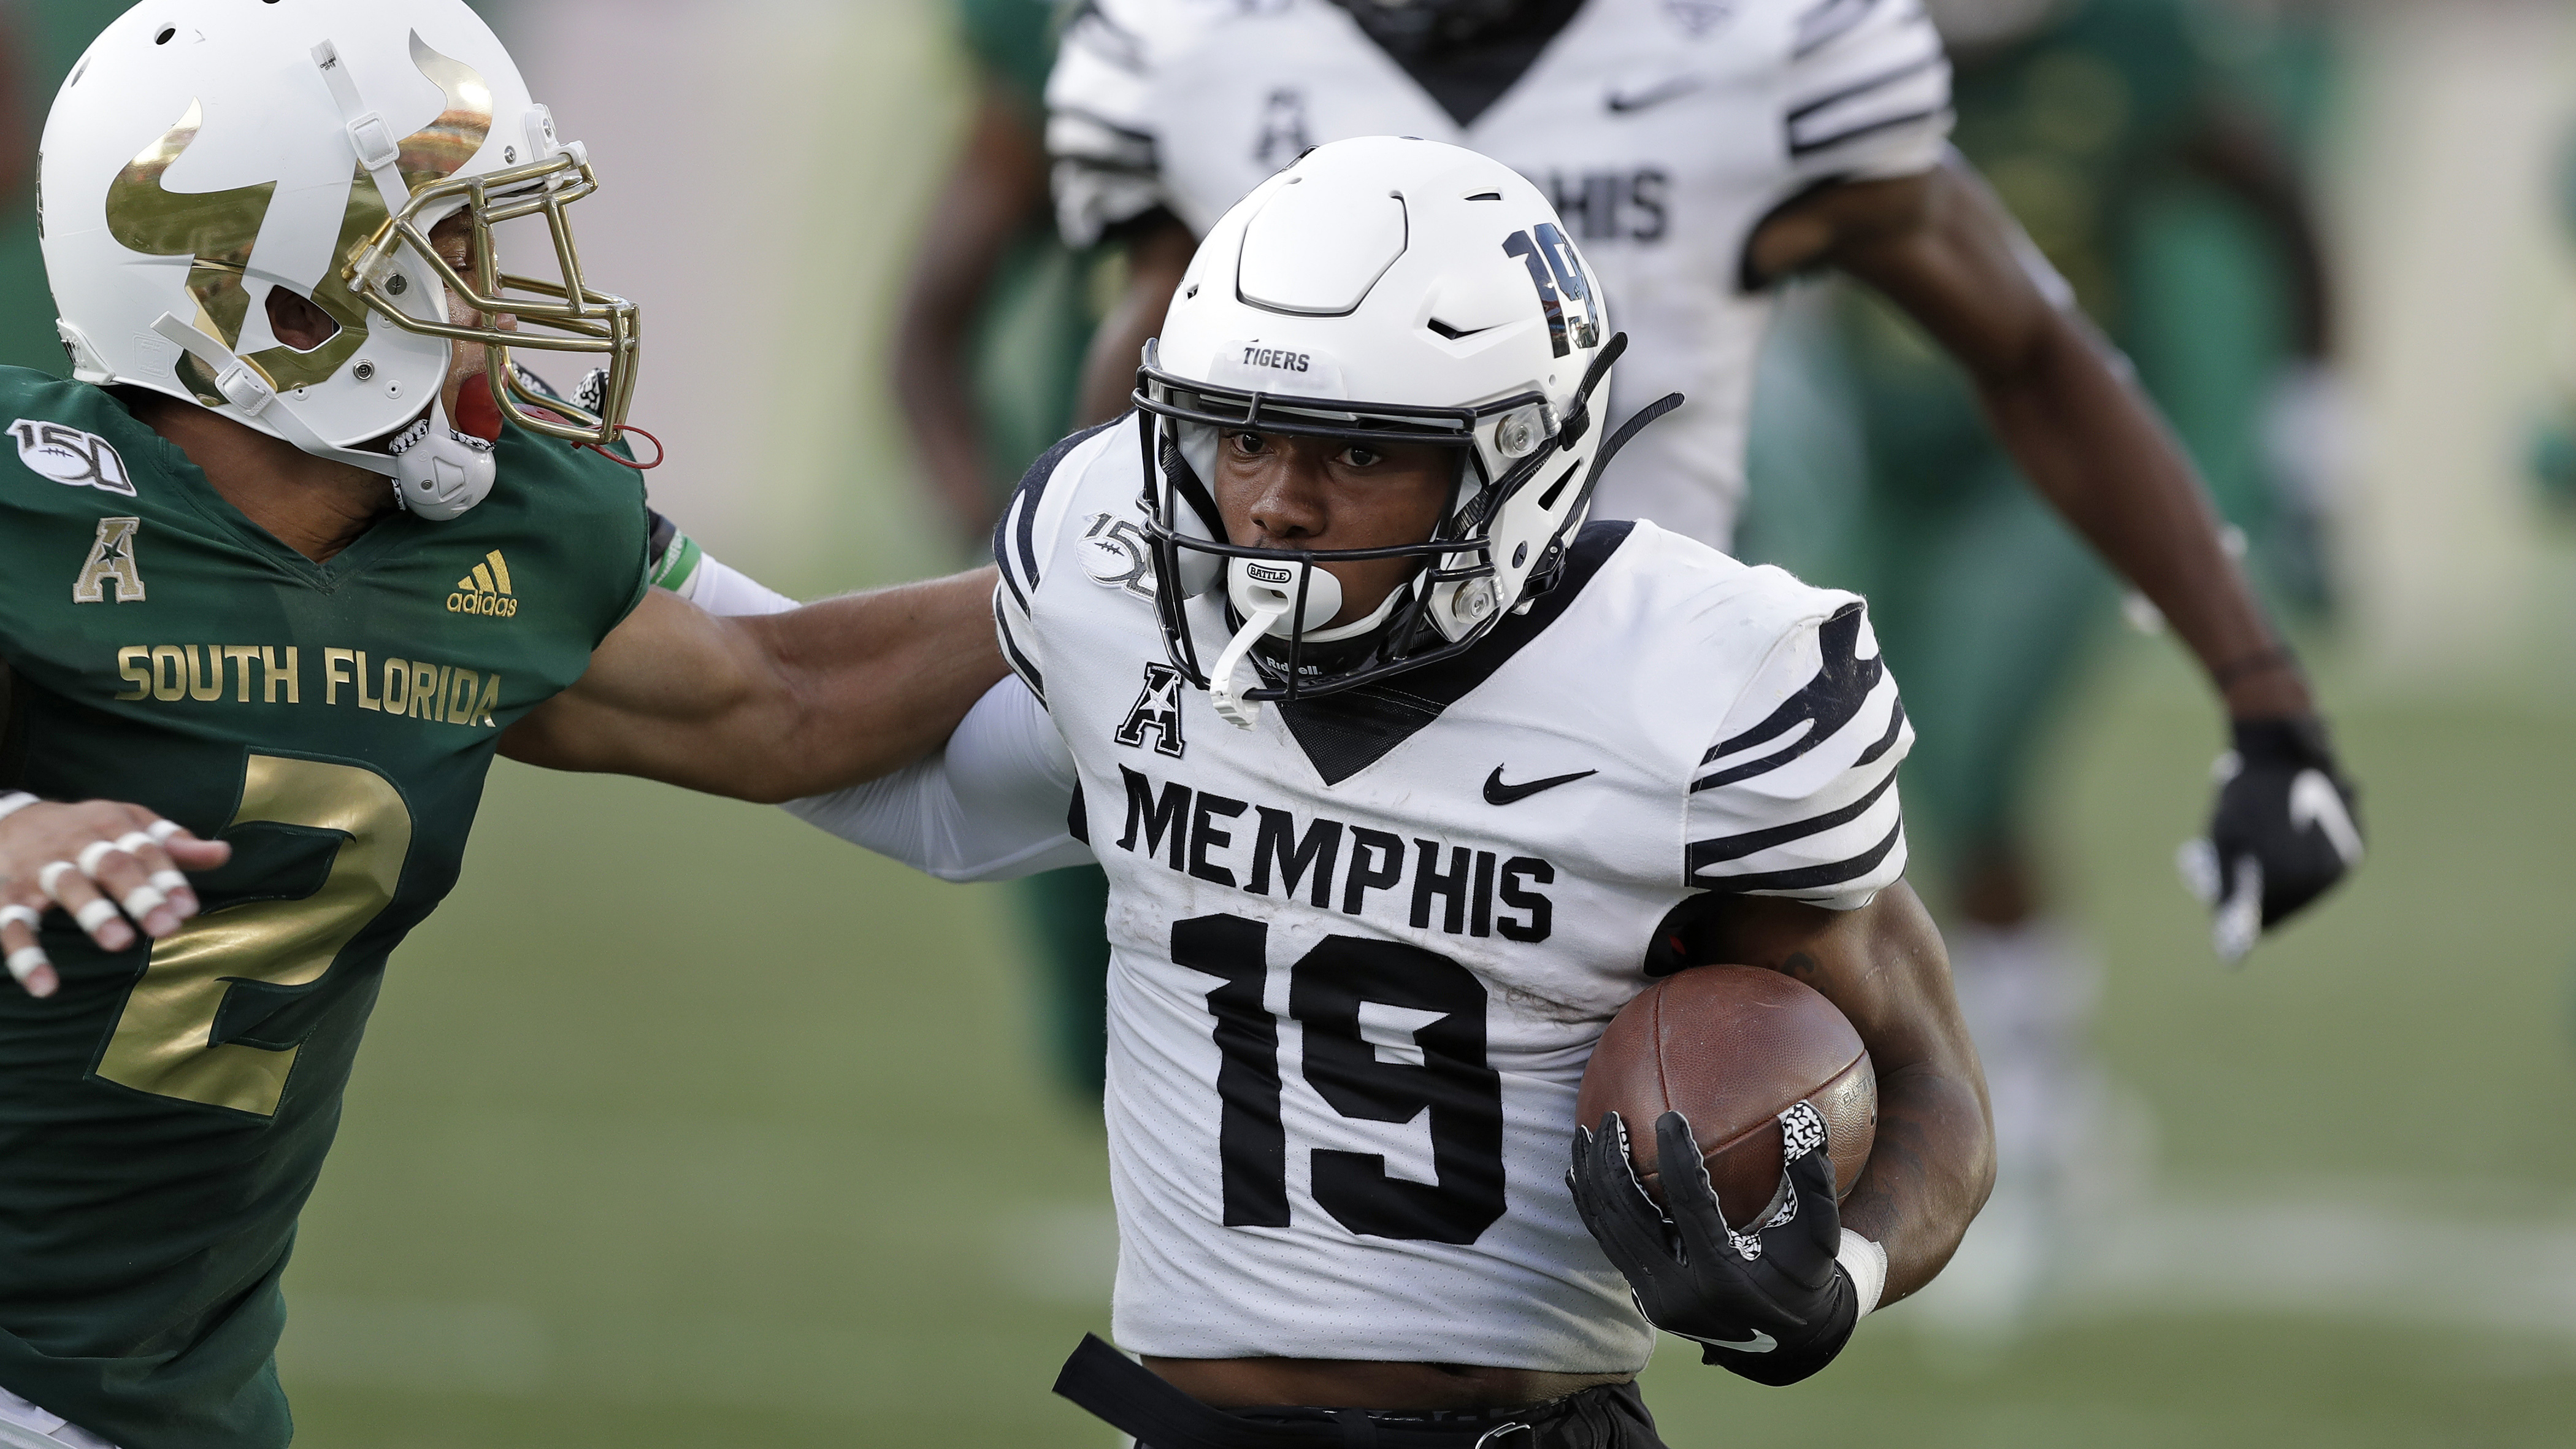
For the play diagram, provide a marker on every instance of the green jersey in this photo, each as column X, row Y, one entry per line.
column 164, row 1116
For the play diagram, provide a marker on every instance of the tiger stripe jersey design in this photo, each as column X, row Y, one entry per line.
column 1362, row 950
column 163, row 1117
column 1664, row 131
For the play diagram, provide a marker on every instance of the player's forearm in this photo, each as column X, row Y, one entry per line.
column 774, row 707
column 2240, row 153
column 1157, row 254
column 1884, row 966
column 1929, row 1170
column 999, row 183
column 2093, row 445
column 867, row 684
column 1109, row 364
column 931, row 391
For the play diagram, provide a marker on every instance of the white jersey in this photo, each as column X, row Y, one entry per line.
column 1361, row 951
column 1665, row 131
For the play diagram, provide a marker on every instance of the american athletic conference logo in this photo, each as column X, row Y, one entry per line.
column 485, row 591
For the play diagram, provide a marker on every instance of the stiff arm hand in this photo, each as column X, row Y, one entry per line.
column 112, row 867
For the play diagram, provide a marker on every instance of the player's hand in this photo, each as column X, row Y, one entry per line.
column 2284, row 831
column 1771, row 1304
column 111, row 867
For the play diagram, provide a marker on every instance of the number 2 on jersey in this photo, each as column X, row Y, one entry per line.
column 1326, row 987
column 164, row 1043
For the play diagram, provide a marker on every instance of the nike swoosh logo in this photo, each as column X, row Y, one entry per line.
column 1760, row 1342
column 2314, row 802
column 1498, row 793
column 1621, row 105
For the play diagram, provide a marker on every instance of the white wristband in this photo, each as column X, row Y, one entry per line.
column 1866, row 1262
column 15, row 801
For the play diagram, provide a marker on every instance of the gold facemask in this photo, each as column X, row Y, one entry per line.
column 575, row 318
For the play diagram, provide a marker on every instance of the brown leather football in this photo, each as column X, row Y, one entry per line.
column 1731, row 1047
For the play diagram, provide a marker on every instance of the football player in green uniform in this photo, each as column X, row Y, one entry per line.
column 233, row 649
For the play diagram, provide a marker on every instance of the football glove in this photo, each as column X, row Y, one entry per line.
column 1771, row 1304
column 2285, row 829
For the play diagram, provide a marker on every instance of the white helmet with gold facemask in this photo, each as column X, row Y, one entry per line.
column 200, row 157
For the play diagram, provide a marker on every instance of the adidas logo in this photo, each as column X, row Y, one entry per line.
column 485, row 591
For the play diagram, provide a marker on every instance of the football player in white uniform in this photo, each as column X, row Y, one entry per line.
column 1702, row 151
column 1406, row 780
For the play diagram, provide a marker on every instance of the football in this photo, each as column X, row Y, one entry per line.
column 1732, row 1047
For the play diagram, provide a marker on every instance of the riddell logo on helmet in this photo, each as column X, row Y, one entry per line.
column 1275, row 358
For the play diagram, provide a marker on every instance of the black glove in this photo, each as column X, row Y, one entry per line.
column 2285, row 829
column 1770, row 1304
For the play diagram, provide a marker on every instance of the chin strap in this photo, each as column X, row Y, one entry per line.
column 242, row 386
column 378, row 152
column 437, row 472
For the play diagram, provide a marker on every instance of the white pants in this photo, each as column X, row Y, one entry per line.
column 24, row 1426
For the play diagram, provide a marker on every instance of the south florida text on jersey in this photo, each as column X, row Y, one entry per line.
column 163, row 1118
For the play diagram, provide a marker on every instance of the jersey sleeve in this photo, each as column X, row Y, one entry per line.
column 1796, row 796
column 1868, row 92
column 1101, row 130
column 994, row 804
column 1023, row 547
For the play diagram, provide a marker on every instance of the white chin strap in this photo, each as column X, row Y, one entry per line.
column 437, row 471
column 1265, row 593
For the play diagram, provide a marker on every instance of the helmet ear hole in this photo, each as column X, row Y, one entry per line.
column 298, row 322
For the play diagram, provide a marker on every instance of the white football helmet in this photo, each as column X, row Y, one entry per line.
column 1394, row 290
column 200, row 156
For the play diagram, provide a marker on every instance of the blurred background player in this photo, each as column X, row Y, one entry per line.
column 990, row 335
column 2147, row 171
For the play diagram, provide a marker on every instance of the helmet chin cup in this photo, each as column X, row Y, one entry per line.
column 1265, row 592
column 1266, row 586
column 440, row 473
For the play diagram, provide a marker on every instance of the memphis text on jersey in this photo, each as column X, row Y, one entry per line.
column 1263, row 849
column 264, row 674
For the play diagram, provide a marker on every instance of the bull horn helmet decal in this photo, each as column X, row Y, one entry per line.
column 259, row 104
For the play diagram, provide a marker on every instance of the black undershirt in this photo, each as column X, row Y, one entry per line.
column 1465, row 53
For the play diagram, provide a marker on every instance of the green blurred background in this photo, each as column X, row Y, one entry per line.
column 682, row 1125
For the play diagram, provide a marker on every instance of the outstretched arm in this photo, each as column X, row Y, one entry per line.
column 1933, row 1160
column 774, row 707
column 1943, row 248
column 1158, row 252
